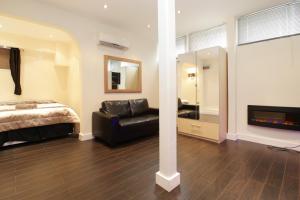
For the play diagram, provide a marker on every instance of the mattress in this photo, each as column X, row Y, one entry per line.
column 29, row 114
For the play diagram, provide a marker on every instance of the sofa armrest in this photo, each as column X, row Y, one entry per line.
column 154, row 111
column 104, row 126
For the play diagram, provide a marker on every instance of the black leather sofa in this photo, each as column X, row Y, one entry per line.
column 188, row 111
column 122, row 121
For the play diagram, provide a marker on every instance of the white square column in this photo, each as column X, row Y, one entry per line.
column 167, row 177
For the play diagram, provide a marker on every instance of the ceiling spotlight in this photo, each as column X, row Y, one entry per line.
column 179, row 12
column 105, row 6
column 149, row 26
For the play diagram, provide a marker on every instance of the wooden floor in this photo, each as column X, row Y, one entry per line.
column 69, row 169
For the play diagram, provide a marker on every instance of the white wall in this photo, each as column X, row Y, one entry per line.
column 268, row 73
column 41, row 78
column 74, row 79
column 232, row 68
column 86, row 32
column 265, row 74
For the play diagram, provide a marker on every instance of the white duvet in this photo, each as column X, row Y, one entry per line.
column 43, row 114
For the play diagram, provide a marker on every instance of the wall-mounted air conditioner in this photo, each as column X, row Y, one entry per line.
column 113, row 42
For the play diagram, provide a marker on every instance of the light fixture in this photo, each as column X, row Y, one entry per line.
column 105, row 6
column 206, row 67
column 148, row 26
column 51, row 36
column 1, row 25
column 191, row 72
column 178, row 12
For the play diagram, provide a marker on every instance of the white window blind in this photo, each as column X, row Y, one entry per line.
column 181, row 45
column 208, row 38
column 279, row 21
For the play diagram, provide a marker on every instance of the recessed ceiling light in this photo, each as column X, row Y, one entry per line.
column 149, row 26
column 105, row 6
column 179, row 12
column 1, row 25
column 50, row 36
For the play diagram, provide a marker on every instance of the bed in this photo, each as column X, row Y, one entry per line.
column 32, row 121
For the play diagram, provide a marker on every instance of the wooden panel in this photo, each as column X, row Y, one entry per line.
column 223, row 94
column 4, row 58
column 207, row 130
column 198, row 128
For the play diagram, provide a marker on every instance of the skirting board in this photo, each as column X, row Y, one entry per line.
column 232, row 136
column 263, row 140
column 168, row 183
column 85, row 136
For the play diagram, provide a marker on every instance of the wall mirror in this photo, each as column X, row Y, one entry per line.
column 122, row 75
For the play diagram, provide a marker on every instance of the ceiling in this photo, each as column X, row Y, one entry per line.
column 28, row 29
column 135, row 15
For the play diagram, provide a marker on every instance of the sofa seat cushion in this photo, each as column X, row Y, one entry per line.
column 186, row 113
column 119, row 108
column 145, row 119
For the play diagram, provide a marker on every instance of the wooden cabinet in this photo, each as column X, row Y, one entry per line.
column 208, row 89
column 204, row 130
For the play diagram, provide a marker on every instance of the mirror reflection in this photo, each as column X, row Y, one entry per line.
column 202, row 93
column 122, row 75
column 198, row 81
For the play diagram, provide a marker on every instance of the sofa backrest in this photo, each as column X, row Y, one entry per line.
column 120, row 108
column 180, row 105
column 138, row 106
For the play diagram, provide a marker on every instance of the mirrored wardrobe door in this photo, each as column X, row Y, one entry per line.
column 202, row 89
column 187, row 86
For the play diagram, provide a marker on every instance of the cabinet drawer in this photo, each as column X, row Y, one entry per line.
column 197, row 128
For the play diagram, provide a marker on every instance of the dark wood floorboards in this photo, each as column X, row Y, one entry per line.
column 69, row 169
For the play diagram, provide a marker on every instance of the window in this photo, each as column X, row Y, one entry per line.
column 209, row 38
column 181, row 45
column 279, row 21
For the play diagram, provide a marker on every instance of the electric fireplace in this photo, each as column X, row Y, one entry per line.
column 274, row 117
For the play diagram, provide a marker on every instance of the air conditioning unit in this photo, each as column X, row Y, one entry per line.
column 111, row 42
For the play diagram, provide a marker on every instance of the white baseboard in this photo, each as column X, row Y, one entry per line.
column 85, row 136
column 263, row 140
column 168, row 183
column 232, row 136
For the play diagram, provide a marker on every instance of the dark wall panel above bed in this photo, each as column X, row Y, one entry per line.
column 4, row 58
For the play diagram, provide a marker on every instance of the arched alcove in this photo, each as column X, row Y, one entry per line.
column 50, row 63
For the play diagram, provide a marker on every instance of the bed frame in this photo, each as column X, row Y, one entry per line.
column 36, row 134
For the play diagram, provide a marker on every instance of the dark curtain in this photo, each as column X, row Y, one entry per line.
column 15, row 68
